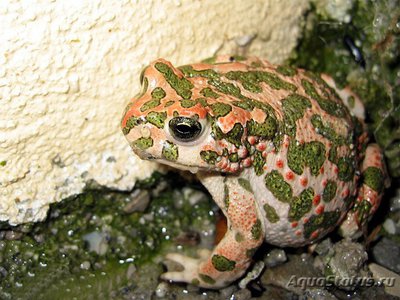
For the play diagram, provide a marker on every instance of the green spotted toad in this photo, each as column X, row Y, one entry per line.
column 283, row 152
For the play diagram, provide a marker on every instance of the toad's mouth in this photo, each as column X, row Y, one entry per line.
column 192, row 169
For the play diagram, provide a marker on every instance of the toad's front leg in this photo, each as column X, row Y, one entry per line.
column 232, row 256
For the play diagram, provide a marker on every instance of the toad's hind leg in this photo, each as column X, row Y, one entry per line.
column 231, row 257
column 374, row 179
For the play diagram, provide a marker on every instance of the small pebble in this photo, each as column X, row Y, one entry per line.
column 162, row 289
column 275, row 257
column 389, row 226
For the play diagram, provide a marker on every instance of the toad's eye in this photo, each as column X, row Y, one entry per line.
column 184, row 129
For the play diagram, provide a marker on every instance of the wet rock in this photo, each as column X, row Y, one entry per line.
column 243, row 294
column 295, row 275
column 138, row 201
column 343, row 264
column 390, row 226
column 323, row 247
column 277, row 293
column 387, row 253
column 275, row 257
column 389, row 279
column 318, row 294
column 227, row 292
column 13, row 235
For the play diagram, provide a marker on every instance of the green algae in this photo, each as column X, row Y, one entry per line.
column 52, row 259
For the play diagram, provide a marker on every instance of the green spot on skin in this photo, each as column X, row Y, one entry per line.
column 286, row 70
column 282, row 190
column 325, row 220
column 239, row 237
column 346, row 168
column 234, row 136
column 271, row 213
column 266, row 130
column 216, row 132
column 208, row 92
column 207, row 279
column 182, row 86
column 373, row 177
column 169, row 103
column 185, row 103
column 195, row 282
column 150, row 104
column 250, row 252
column 332, row 156
column 156, row 118
column 158, row 93
column 188, row 71
column 210, row 60
column 326, row 130
column 256, row 230
column 3, row 163
column 330, row 191
column 226, row 88
column 294, row 107
column 202, row 101
column 221, row 109
column 251, row 80
column 331, row 107
column 351, row 101
column 222, row 264
column 363, row 211
column 170, row 151
column 315, row 155
column 310, row 154
column 132, row 122
column 143, row 143
column 258, row 163
column 233, row 157
column 244, row 183
column 209, row 156
column 301, row 205
column 226, row 196
column 256, row 64
column 295, row 157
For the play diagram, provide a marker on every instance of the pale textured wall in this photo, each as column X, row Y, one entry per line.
column 67, row 69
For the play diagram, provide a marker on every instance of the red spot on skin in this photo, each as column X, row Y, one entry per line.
column 324, row 182
column 252, row 140
column 320, row 209
column 336, row 170
column 322, row 170
column 261, row 147
column 304, row 181
column 316, row 200
column 294, row 224
column 279, row 163
column 298, row 232
column 289, row 175
column 345, row 193
column 305, row 220
column 314, row 235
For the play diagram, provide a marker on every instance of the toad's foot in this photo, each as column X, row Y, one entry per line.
column 190, row 267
